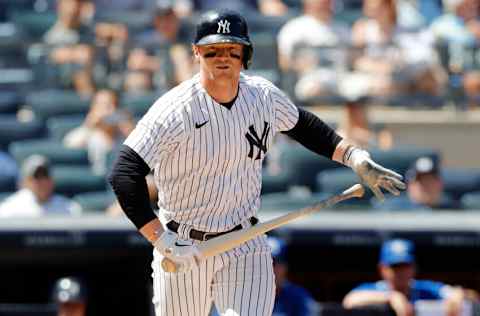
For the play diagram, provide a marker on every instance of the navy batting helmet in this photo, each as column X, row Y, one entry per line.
column 69, row 290
column 224, row 27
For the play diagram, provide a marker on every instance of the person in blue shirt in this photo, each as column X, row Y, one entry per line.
column 398, row 286
column 290, row 299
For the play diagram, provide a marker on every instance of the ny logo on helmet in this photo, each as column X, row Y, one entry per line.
column 223, row 27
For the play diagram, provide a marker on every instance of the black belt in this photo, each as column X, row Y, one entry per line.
column 202, row 236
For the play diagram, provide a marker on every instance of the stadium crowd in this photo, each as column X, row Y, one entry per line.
column 77, row 74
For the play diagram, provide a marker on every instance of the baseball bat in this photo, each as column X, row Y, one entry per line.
column 231, row 240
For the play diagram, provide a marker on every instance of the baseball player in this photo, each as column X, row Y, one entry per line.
column 206, row 140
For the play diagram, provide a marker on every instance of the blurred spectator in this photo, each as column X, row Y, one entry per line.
column 9, row 168
column 356, row 127
column 105, row 126
column 425, row 189
column 398, row 286
column 69, row 293
column 168, row 29
column 392, row 59
column 70, row 45
column 459, row 30
column 36, row 196
column 313, row 47
column 272, row 7
column 290, row 299
column 68, row 29
column 162, row 57
column 416, row 14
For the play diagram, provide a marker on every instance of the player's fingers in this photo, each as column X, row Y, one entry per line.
column 390, row 188
column 378, row 193
column 397, row 183
column 388, row 172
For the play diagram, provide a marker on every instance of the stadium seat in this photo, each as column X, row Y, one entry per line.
column 301, row 166
column 289, row 201
column 8, row 184
column 59, row 126
column 9, row 102
column 54, row 150
column 72, row 180
column 457, row 182
column 54, row 102
column 138, row 105
column 400, row 158
column 12, row 130
column 33, row 23
column 265, row 51
column 136, row 21
column 471, row 201
column 4, row 195
column 336, row 180
column 95, row 201
column 274, row 183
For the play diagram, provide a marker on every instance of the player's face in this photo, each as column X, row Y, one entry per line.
column 398, row 276
column 220, row 61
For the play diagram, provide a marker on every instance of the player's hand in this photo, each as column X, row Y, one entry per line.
column 183, row 253
column 374, row 175
column 400, row 304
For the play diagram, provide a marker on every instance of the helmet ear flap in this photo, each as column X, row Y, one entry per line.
column 247, row 56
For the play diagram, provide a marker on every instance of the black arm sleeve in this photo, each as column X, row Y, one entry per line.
column 127, row 179
column 314, row 134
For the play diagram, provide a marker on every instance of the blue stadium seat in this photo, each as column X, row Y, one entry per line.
column 301, row 166
column 49, row 103
column 285, row 201
column 471, row 201
column 54, row 150
column 72, row 180
column 265, row 51
column 138, row 105
column 95, row 201
column 460, row 181
column 336, row 180
column 9, row 102
column 59, row 126
column 13, row 130
column 33, row 23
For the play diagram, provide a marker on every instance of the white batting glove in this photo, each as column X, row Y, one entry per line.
column 183, row 253
column 372, row 174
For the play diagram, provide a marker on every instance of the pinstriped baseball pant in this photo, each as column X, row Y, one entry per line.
column 239, row 282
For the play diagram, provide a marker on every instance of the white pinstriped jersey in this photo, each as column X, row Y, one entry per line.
column 208, row 158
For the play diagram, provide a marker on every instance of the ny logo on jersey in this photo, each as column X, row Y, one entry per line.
column 255, row 141
column 223, row 27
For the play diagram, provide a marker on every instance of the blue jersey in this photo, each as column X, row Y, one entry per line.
column 419, row 289
column 293, row 300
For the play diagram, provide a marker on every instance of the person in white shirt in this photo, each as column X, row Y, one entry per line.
column 36, row 196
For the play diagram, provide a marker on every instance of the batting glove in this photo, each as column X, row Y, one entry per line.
column 185, row 255
column 372, row 174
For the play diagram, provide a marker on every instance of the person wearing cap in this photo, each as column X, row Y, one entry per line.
column 425, row 189
column 36, row 196
column 69, row 293
column 398, row 286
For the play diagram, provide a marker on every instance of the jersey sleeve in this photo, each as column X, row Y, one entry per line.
column 160, row 130
column 286, row 113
